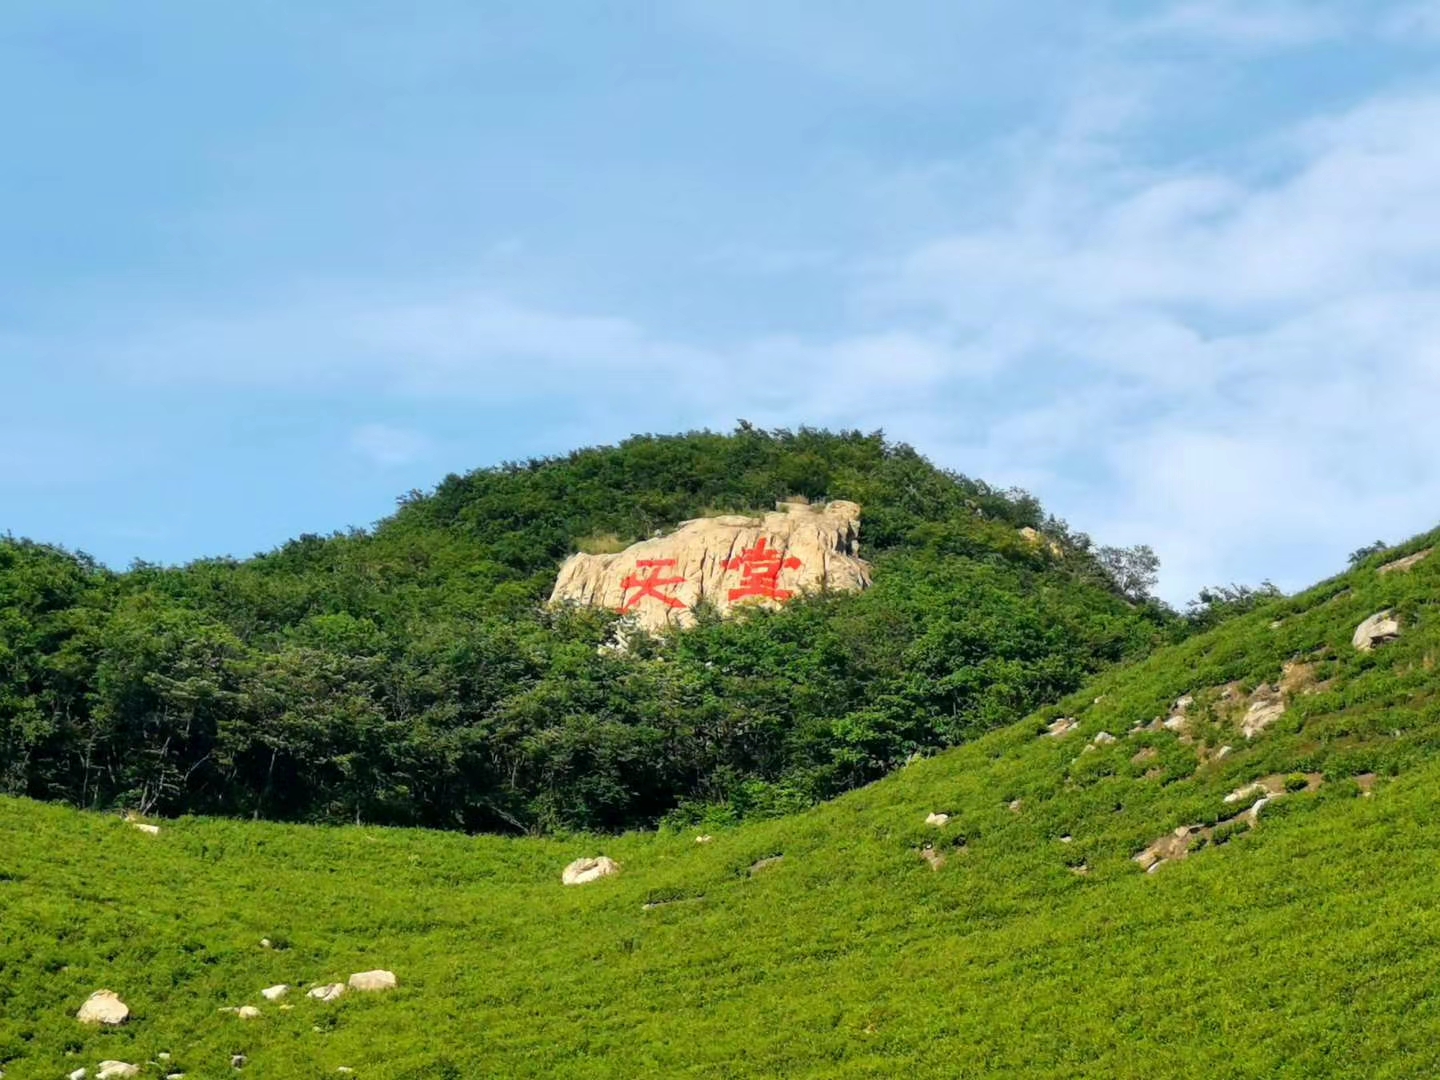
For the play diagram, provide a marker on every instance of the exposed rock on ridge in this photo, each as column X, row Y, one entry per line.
column 725, row 561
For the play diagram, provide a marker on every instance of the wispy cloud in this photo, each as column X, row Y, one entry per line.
column 384, row 444
column 1249, row 23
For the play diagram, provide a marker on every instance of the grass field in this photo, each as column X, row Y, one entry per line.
column 1308, row 946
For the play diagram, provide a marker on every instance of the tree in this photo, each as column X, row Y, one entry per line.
column 1135, row 571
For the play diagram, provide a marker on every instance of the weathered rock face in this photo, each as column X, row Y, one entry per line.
column 727, row 562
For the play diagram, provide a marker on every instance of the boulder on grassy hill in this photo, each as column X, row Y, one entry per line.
column 328, row 992
column 248, row 1012
column 726, row 562
column 149, row 830
column 103, row 1007
column 1378, row 629
column 116, row 1070
column 369, row 981
column 1058, row 729
column 1400, row 566
column 275, row 993
column 584, row 871
column 937, row 819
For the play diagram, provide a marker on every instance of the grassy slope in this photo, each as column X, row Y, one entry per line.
column 1305, row 948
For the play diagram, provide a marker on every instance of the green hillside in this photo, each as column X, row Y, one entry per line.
column 411, row 674
column 1305, row 946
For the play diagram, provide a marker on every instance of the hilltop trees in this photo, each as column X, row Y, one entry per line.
column 411, row 673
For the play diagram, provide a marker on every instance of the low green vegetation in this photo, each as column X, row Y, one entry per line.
column 411, row 674
column 1302, row 946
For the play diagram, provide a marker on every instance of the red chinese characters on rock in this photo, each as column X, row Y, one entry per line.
column 651, row 585
column 760, row 568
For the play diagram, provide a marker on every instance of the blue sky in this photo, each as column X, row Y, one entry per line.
column 1173, row 266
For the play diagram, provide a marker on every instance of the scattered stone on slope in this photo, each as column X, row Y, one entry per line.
column 1082, row 869
column 1378, row 629
column 1058, row 729
column 265, row 943
column 275, row 993
column 328, row 992
column 705, row 839
column 937, row 820
column 936, row 859
column 248, row 1012
column 1016, row 805
column 584, row 871
column 1299, row 677
column 1140, row 757
column 116, row 1070
column 1177, row 845
column 727, row 562
column 371, row 981
column 103, row 1007
column 1399, row 566
column 761, row 865
column 1267, row 705
column 78, row 1074
column 150, row 830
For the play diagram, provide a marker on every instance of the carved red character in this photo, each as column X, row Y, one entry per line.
column 760, row 568
column 651, row 585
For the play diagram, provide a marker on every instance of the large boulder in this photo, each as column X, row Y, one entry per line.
column 103, row 1007
column 584, row 871
column 1378, row 629
column 373, row 980
column 726, row 562
column 116, row 1070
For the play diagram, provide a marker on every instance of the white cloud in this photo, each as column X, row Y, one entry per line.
column 384, row 444
column 1250, row 23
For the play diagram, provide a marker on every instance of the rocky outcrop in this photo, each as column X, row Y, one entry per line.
column 103, row 1007
column 1378, row 629
column 584, row 871
column 1058, row 729
column 726, row 562
column 1400, row 566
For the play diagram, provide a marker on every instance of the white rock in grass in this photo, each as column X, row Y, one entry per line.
column 1058, row 729
column 705, row 839
column 1378, row 629
column 248, row 1012
column 152, row 830
column 584, row 871
column 237, row 1061
column 174, row 1076
column 78, row 1074
column 329, row 992
column 1103, row 739
column 103, row 1007
column 937, row 819
column 372, row 980
column 275, row 993
column 116, row 1070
